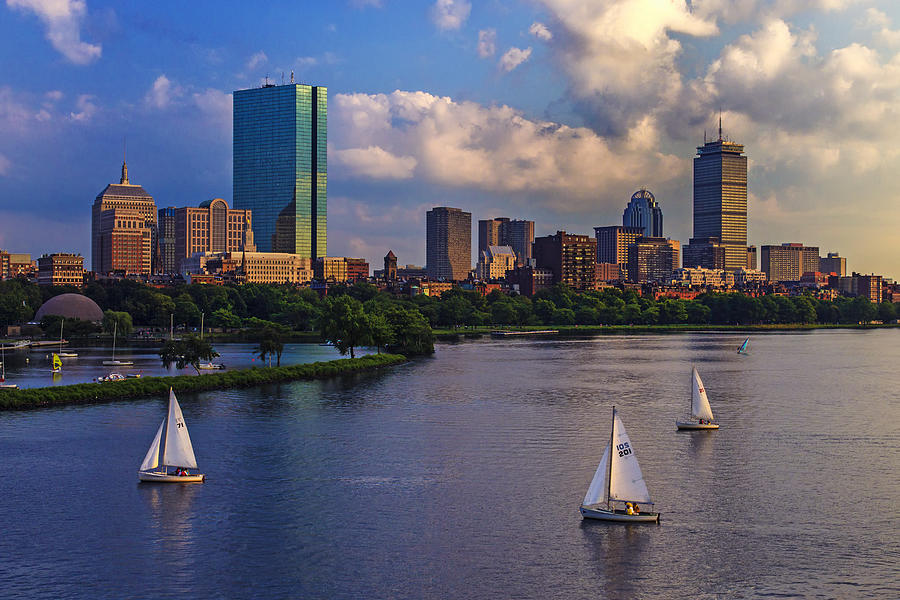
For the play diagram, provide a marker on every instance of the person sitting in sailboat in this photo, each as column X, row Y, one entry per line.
column 628, row 509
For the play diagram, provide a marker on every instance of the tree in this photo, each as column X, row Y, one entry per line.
column 118, row 322
column 187, row 351
column 381, row 331
column 344, row 324
column 270, row 343
column 223, row 317
column 412, row 334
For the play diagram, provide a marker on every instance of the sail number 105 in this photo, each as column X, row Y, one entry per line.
column 624, row 449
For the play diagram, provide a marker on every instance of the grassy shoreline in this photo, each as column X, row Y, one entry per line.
column 85, row 393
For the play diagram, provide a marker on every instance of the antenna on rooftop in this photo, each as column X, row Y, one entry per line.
column 720, row 123
column 292, row 76
column 282, row 78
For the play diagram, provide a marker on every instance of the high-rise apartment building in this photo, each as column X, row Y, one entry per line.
column 280, row 166
column 570, row 257
column 644, row 213
column 502, row 231
column 720, row 202
column 788, row 262
column 448, row 243
column 652, row 260
column 612, row 244
column 833, row 263
column 123, row 229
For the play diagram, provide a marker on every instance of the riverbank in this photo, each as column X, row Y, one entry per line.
column 84, row 393
column 580, row 330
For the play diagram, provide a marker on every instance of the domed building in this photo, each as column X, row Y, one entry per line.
column 70, row 306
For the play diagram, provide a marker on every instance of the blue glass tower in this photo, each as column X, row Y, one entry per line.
column 643, row 211
column 280, row 166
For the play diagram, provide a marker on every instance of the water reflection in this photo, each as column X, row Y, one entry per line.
column 171, row 519
column 618, row 551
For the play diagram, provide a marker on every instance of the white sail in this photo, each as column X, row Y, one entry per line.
column 151, row 461
column 177, row 451
column 700, row 408
column 596, row 493
column 625, row 479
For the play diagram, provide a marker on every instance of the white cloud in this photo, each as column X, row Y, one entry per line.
column 540, row 31
column 487, row 42
column 514, row 57
column 162, row 93
column 62, row 18
column 450, row 14
column 467, row 145
column 216, row 106
column 5, row 166
column 85, row 107
column 880, row 22
column 257, row 59
column 54, row 96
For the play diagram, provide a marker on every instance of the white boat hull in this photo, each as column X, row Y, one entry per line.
column 9, row 386
column 619, row 516
column 118, row 363
column 68, row 355
column 693, row 425
column 164, row 478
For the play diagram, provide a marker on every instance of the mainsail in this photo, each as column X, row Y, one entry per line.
column 177, row 451
column 700, row 408
column 625, row 479
column 57, row 362
column 151, row 461
column 744, row 346
column 596, row 493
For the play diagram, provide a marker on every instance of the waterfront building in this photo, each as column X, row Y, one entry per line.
column 61, row 269
column 280, row 166
column 652, row 260
column 788, row 262
column 720, row 204
column 123, row 229
column 644, row 213
column 833, row 263
column 448, row 243
column 494, row 262
column 570, row 257
column 210, row 227
column 502, row 231
column 612, row 244
column 390, row 266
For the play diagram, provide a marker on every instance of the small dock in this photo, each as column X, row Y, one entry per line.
column 536, row 332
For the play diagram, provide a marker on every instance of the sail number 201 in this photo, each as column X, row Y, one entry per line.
column 624, row 449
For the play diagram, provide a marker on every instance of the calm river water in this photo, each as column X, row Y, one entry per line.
column 460, row 476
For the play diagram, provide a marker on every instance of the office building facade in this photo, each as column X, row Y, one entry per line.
column 644, row 213
column 720, row 202
column 61, row 269
column 502, row 231
column 652, row 260
column 494, row 262
column 123, row 229
column 448, row 243
column 570, row 257
column 210, row 227
column 788, row 262
column 612, row 244
column 280, row 166
column 833, row 263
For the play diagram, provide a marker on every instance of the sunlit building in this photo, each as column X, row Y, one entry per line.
column 494, row 262
column 788, row 262
column 833, row 263
column 61, row 269
column 570, row 257
column 448, row 243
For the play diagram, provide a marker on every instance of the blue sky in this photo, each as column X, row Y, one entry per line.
column 551, row 110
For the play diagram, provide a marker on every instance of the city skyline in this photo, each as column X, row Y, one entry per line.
column 404, row 139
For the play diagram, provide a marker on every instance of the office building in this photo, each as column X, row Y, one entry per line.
column 210, row 227
column 61, row 269
column 644, row 213
column 123, row 229
column 612, row 244
column 14, row 265
column 788, row 262
column 751, row 258
column 607, row 272
column 357, row 269
column 280, row 166
column 708, row 253
column 448, row 243
column 165, row 236
column 494, row 262
column 529, row 280
column 868, row 286
column 570, row 257
column 652, row 260
column 833, row 263
column 720, row 203
column 502, row 231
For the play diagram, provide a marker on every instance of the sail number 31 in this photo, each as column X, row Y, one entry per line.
column 624, row 449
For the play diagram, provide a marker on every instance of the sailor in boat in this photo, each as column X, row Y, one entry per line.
column 628, row 509
column 637, row 509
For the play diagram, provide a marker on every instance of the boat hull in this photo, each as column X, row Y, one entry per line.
column 694, row 426
column 164, row 478
column 618, row 516
column 117, row 363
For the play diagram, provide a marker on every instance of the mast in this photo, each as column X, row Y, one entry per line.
column 612, row 450
column 115, row 329
column 61, row 321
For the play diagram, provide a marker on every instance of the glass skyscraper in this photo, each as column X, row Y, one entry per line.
column 280, row 166
column 720, row 202
column 644, row 212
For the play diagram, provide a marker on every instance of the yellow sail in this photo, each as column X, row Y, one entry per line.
column 57, row 362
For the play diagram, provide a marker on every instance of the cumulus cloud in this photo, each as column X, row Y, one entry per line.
column 540, row 31
column 514, row 57
column 881, row 23
column 496, row 148
column 487, row 42
column 162, row 93
column 84, row 109
column 216, row 106
column 62, row 18
column 450, row 14
column 257, row 59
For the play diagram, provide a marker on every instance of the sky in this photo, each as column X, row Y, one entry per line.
column 554, row 111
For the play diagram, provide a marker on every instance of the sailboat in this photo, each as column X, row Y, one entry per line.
column 3, row 383
column 61, row 353
column 171, row 449
column 744, row 346
column 114, row 362
column 701, row 416
column 57, row 364
column 618, row 486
